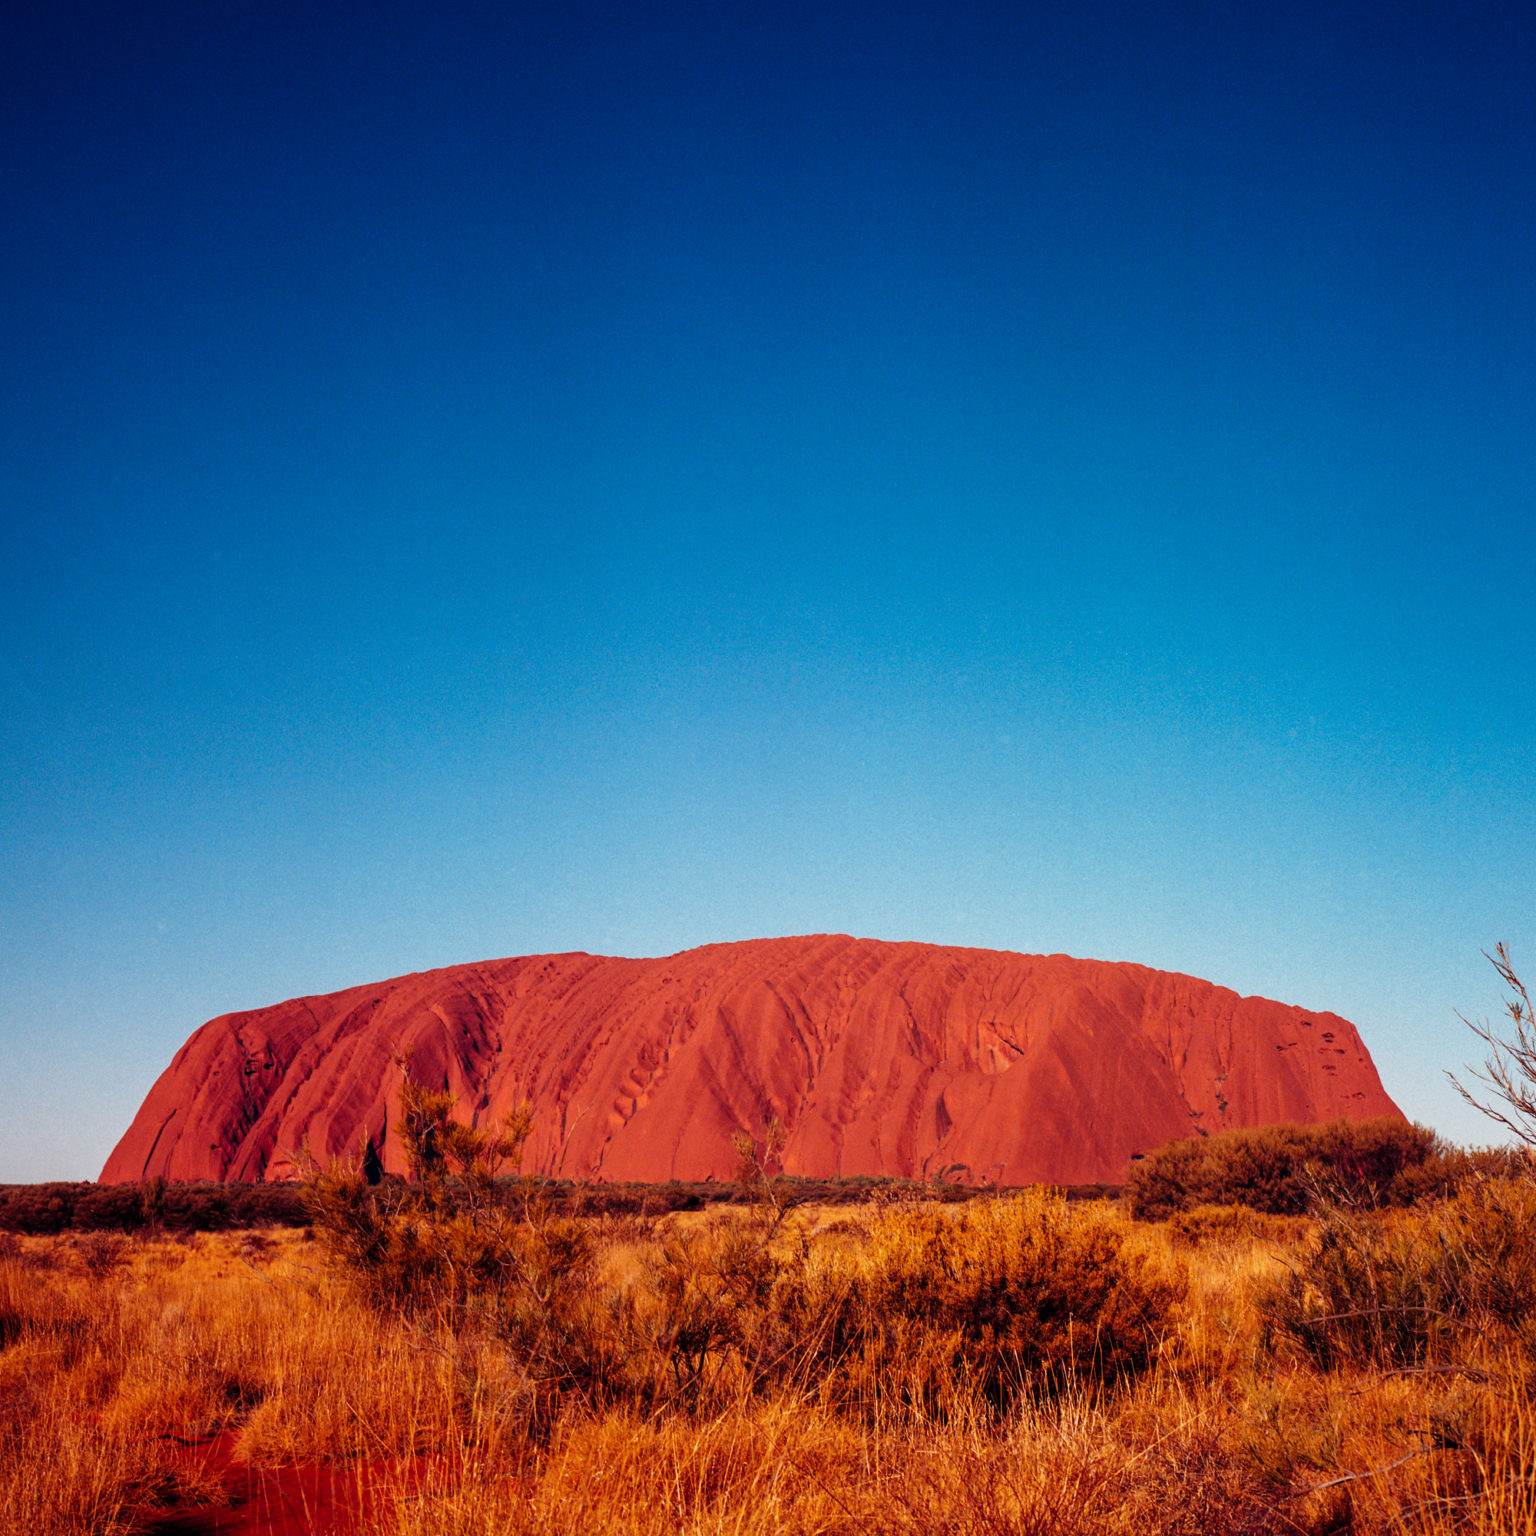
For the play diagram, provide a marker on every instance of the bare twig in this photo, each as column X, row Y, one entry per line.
column 260, row 1274
column 1470, row 1372
column 1360, row 1477
column 1344, row 1317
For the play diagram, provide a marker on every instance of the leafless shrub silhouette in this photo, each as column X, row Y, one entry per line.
column 1509, row 1068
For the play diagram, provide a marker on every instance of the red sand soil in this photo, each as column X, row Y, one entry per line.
column 901, row 1059
column 281, row 1501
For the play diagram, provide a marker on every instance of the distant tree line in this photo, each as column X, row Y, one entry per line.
column 215, row 1207
column 154, row 1203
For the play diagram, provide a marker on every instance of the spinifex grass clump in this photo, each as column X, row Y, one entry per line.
column 1224, row 1225
column 1006, row 1297
column 926, row 1313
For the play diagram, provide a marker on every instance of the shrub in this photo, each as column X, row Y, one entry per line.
column 1449, row 1169
column 1414, row 1288
column 39, row 1208
column 431, row 1245
column 1278, row 1168
column 716, row 1317
column 101, row 1254
column 466, row 1249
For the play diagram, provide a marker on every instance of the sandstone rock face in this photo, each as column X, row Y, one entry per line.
column 901, row 1059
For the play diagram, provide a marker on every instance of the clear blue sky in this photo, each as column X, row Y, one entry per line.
column 490, row 480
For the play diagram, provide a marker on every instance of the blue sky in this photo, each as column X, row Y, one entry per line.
column 526, row 478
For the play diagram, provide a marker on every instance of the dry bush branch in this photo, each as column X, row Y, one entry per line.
column 1509, row 1069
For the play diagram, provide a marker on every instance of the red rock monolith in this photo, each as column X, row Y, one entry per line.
column 902, row 1059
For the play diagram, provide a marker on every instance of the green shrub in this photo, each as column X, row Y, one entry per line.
column 1449, row 1169
column 1279, row 1168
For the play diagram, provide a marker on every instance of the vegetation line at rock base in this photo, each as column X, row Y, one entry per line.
column 207, row 1206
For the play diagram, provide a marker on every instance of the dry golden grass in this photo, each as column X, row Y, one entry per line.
column 110, row 1369
column 116, row 1352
